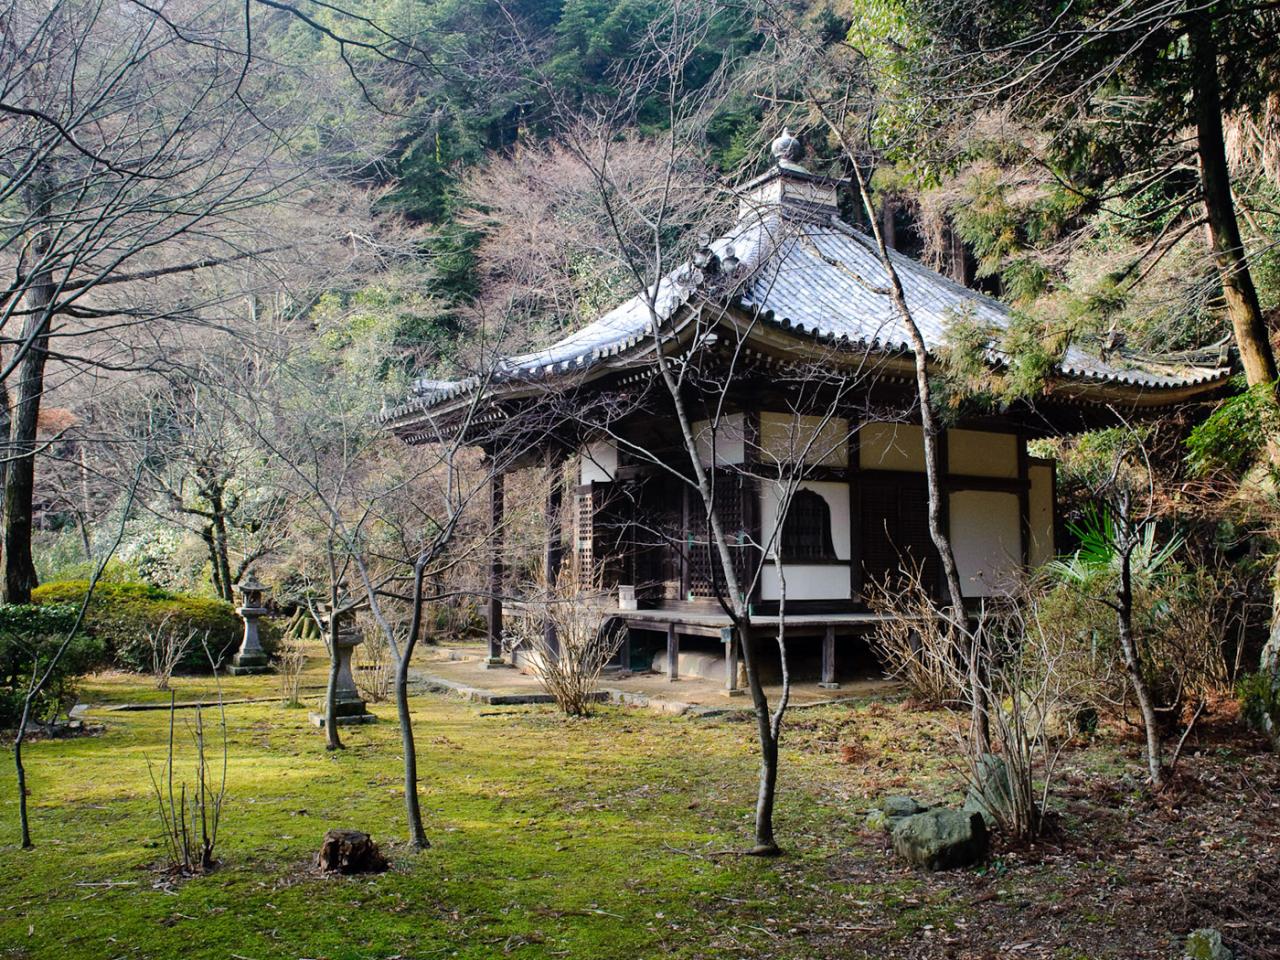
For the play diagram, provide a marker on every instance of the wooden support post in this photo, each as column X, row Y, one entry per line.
column 829, row 681
column 673, row 653
column 731, row 687
column 554, row 551
column 624, row 651
column 494, row 659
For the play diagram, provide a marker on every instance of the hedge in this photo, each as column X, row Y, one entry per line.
column 121, row 615
column 30, row 637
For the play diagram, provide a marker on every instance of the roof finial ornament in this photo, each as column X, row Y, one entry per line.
column 787, row 149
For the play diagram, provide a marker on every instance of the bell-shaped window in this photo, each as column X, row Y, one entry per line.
column 806, row 532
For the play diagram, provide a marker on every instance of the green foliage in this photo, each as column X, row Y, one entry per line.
column 120, row 615
column 60, row 556
column 30, row 636
column 1101, row 542
column 1179, row 611
column 970, row 384
column 1260, row 702
column 1235, row 435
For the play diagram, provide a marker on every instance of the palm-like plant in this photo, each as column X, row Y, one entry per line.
column 1116, row 554
column 1104, row 543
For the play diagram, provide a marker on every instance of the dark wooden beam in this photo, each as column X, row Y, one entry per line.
column 829, row 681
column 673, row 653
column 1024, row 500
column 496, row 568
column 554, row 550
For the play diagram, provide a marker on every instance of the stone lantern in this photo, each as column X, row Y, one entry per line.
column 251, row 658
column 348, row 704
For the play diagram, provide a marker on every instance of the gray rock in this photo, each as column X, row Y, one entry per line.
column 941, row 839
column 895, row 807
column 890, row 810
column 1206, row 944
column 992, row 795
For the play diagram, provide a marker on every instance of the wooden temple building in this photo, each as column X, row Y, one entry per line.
column 798, row 377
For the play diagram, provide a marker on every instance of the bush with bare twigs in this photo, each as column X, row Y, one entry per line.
column 586, row 639
column 1026, row 680
column 191, row 814
column 913, row 639
column 169, row 642
column 373, row 664
column 291, row 661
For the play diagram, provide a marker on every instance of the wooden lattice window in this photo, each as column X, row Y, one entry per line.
column 604, row 530
column 806, row 531
column 735, row 497
column 895, row 530
column 583, row 532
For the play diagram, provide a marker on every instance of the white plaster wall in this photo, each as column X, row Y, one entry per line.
column 809, row 581
column 1040, row 512
column 598, row 462
column 986, row 535
column 784, row 436
column 806, row 581
column 976, row 453
column 729, row 437
column 891, row 446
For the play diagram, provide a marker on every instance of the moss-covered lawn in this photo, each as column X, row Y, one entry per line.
column 608, row 837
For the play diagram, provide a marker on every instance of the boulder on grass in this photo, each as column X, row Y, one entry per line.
column 892, row 809
column 350, row 851
column 1206, row 944
column 942, row 839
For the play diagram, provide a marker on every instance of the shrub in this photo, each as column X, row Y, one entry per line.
column 124, row 615
column 586, row 638
column 1260, row 704
column 913, row 640
column 30, row 635
column 1182, row 618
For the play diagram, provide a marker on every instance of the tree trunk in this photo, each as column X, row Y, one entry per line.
column 6, row 427
column 1247, row 322
column 221, row 554
column 1248, row 325
column 735, row 605
column 888, row 224
column 412, row 806
column 16, row 564
column 19, row 490
column 765, row 843
column 215, row 571
column 979, row 724
column 86, row 503
column 1133, row 665
column 24, row 822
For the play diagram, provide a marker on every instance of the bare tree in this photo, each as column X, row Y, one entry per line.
column 211, row 478
column 1119, row 553
column 811, row 79
column 145, row 157
column 392, row 521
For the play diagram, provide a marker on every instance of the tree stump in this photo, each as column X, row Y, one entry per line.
column 350, row 851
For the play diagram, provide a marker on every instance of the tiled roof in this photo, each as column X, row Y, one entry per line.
column 820, row 277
